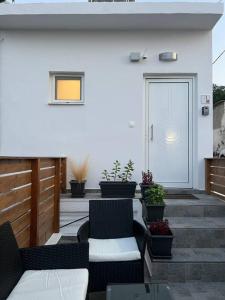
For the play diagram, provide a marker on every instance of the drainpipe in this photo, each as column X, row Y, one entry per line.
column 1, row 76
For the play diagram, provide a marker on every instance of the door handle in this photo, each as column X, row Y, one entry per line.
column 152, row 133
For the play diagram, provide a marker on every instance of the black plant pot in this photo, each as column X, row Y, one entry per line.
column 144, row 187
column 153, row 212
column 77, row 189
column 159, row 246
column 118, row 189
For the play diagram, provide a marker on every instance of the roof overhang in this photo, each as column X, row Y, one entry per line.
column 106, row 16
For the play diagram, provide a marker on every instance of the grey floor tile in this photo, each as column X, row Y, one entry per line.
column 67, row 240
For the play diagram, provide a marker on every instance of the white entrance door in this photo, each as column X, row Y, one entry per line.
column 169, row 131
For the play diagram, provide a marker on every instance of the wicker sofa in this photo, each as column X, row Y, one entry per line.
column 116, row 243
column 45, row 272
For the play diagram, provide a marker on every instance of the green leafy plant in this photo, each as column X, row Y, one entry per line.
column 115, row 170
column 218, row 93
column 154, row 195
column 115, row 173
column 106, row 175
column 128, row 171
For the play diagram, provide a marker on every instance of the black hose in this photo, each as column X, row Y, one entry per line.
column 74, row 221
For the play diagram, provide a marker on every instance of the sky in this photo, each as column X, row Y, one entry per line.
column 218, row 40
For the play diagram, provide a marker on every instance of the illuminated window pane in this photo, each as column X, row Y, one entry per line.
column 68, row 89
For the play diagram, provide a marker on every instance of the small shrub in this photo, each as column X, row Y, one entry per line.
column 80, row 171
column 160, row 228
column 154, row 195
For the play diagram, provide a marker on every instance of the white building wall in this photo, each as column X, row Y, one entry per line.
column 114, row 94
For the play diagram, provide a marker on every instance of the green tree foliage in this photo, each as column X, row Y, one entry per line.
column 218, row 93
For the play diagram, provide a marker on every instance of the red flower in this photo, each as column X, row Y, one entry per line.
column 147, row 178
column 160, row 228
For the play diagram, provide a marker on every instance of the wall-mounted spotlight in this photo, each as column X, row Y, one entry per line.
column 168, row 56
column 137, row 56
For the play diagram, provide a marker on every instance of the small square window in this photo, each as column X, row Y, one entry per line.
column 67, row 89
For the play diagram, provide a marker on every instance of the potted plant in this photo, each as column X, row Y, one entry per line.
column 80, row 174
column 146, row 182
column 154, row 203
column 160, row 239
column 116, row 184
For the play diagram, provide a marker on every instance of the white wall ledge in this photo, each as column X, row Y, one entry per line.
column 133, row 15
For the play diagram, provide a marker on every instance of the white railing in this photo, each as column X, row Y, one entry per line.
column 78, row 1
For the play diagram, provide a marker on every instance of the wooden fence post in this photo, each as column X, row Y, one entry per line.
column 63, row 174
column 57, row 193
column 35, row 199
column 207, row 176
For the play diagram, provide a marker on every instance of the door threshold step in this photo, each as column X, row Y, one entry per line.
column 183, row 191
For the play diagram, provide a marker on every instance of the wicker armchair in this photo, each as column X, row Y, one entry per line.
column 113, row 219
column 14, row 261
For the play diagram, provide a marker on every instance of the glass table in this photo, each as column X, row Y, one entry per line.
column 138, row 292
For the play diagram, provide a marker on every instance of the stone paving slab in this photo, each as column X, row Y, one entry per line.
column 188, row 271
column 199, row 238
column 196, row 255
column 193, row 222
column 186, row 291
column 203, row 199
column 198, row 291
column 179, row 210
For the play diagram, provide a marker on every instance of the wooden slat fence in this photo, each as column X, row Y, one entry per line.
column 215, row 176
column 29, row 196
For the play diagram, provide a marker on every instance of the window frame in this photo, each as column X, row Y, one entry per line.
column 64, row 75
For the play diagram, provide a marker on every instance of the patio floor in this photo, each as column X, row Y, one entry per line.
column 180, row 291
column 197, row 269
column 187, row 291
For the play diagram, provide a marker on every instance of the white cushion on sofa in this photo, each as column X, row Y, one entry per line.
column 123, row 249
column 51, row 285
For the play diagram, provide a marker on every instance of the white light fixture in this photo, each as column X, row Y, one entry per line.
column 168, row 56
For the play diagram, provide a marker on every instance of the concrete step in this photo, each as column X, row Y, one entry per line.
column 203, row 264
column 198, row 232
column 204, row 206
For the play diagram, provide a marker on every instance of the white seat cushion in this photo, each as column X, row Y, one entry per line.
column 123, row 249
column 51, row 285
